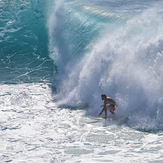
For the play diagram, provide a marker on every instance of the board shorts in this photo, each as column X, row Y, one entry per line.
column 111, row 108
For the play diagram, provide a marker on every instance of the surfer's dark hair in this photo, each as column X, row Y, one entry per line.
column 103, row 95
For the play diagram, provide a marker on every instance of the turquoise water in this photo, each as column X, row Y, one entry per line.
column 24, row 42
column 58, row 57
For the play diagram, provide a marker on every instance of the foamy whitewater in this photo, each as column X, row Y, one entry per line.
column 56, row 59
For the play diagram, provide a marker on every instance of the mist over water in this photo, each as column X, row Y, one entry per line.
column 119, row 54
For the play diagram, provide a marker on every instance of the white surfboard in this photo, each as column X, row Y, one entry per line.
column 98, row 118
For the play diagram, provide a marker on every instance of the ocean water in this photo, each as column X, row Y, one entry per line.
column 56, row 59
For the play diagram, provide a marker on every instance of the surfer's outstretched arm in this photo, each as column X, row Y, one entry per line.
column 101, row 111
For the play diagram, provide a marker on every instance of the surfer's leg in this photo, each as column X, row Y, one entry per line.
column 105, row 113
column 111, row 109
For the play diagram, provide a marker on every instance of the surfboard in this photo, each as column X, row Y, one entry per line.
column 114, row 118
column 97, row 118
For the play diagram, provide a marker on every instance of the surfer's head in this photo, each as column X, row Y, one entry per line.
column 103, row 96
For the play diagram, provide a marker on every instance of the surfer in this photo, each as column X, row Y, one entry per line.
column 111, row 107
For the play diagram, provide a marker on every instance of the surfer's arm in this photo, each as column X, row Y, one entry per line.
column 102, row 109
column 101, row 112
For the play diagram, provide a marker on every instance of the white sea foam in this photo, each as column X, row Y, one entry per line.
column 33, row 129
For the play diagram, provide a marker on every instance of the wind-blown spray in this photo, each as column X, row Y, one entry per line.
column 104, row 52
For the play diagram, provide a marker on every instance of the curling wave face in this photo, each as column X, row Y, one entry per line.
column 120, row 54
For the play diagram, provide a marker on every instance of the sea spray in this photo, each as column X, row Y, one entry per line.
column 121, row 58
